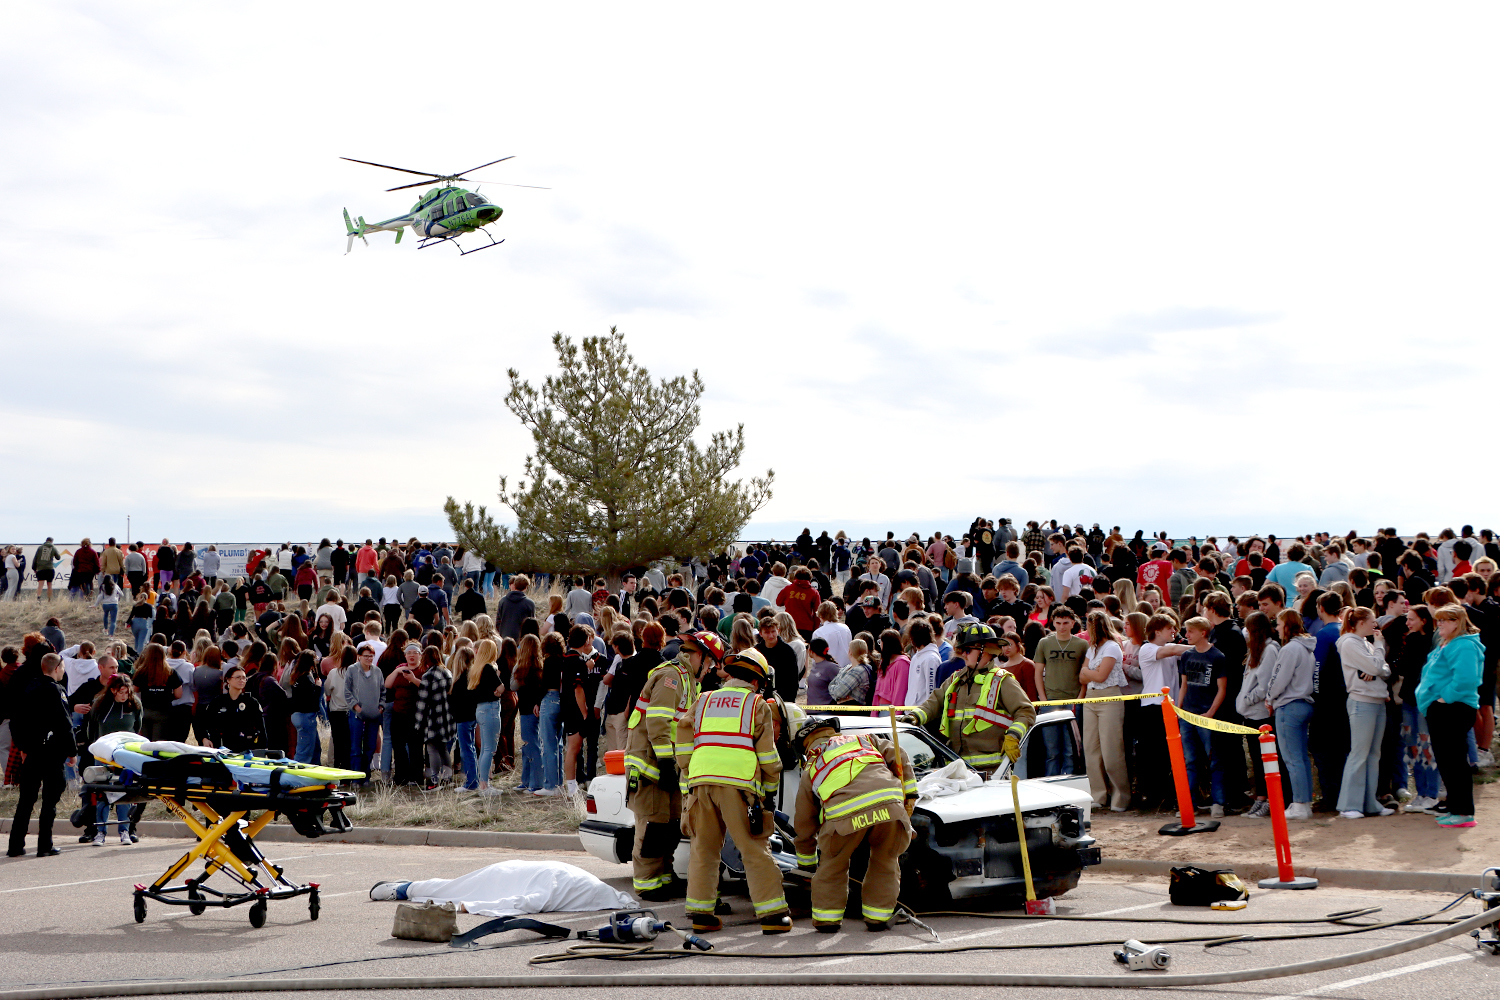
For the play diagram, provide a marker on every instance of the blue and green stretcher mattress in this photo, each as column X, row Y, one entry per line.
column 137, row 769
column 135, row 753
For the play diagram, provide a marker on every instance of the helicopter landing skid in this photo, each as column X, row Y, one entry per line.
column 434, row 240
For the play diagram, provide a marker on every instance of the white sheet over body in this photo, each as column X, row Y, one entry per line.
column 950, row 780
column 511, row 887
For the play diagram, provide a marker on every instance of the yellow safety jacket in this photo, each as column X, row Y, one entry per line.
column 733, row 741
column 978, row 709
column 658, row 723
column 986, row 710
column 843, row 791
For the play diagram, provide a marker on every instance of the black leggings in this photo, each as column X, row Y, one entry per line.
column 1450, row 725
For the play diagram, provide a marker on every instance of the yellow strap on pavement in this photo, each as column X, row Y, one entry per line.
column 1204, row 722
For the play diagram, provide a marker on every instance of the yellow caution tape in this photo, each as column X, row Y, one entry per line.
column 1204, row 722
column 1086, row 701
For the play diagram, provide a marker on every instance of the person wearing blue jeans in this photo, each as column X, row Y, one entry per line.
column 1362, row 767
column 1197, row 751
column 140, row 629
column 101, row 821
column 364, row 735
column 1060, row 753
column 487, row 719
column 466, row 755
column 549, row 735
column 385, row 740
column 1417, row 762
column 1292, row 720
column 1202, row 689
column 1365, row 671
column 309, row 747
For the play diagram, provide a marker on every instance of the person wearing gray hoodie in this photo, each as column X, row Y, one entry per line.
column 364, row 694
column 1289, row 692
column 1365, row 673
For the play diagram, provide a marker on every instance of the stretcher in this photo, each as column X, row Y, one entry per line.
column 225, row 799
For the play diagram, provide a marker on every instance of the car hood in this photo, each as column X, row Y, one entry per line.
column 993, row 798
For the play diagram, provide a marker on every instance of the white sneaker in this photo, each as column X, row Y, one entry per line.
column 491, row 792
column 1486, row 759
column 1351, row 814
column 1299, row 810
column 99, row 839
column 1386, row 811
column 385, row 892
column 1216, row 811
column 547, row 791
column 1426, row 802
column 1404, row 795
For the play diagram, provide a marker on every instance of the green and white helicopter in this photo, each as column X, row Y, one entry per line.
column 439, row 216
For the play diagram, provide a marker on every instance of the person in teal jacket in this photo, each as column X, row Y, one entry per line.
column 1449, row 697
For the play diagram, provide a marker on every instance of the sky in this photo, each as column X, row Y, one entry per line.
column 1192, row 268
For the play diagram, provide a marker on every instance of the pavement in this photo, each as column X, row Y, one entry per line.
column 69, row 921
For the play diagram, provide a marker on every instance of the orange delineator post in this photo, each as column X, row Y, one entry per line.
column 1189, row 823
column 1286, row 877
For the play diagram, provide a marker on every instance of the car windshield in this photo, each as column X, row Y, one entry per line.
column 924, row 756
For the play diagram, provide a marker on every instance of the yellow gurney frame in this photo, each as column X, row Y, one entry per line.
column 225, row 826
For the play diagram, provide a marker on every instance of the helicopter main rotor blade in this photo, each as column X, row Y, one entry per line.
column 387, row 166
column 436, row 180
column 482, row 166
column 538, row 187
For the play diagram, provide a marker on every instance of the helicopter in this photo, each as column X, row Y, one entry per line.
column 440, row 215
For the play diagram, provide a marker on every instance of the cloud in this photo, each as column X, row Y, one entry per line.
column 982, row 280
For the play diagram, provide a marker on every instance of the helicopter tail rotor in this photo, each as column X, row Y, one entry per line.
column 353, row 231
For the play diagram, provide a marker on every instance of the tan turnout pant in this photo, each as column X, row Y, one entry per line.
column 713, row 810
column 882, row 882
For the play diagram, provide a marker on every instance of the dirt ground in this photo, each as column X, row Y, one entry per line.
column 1404, row 842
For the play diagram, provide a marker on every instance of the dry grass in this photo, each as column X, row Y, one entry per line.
column 448, row 809
column 80, row 620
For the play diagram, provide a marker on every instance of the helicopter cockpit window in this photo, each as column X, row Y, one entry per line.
column 475, row 200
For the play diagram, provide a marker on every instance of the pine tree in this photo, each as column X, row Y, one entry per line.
column 616, row 479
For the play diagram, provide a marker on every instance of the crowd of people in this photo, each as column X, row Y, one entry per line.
column 1372, row 657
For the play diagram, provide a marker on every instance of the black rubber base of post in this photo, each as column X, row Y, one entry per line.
column 1178, row 830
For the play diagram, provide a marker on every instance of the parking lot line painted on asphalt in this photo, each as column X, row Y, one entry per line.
column 118, row 878
column 1373, row 977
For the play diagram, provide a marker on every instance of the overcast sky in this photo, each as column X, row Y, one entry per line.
column 1194, row 268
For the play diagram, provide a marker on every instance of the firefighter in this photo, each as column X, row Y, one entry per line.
column 733, row 774
column 658, row 733
column 854, row 790
column 984, row 712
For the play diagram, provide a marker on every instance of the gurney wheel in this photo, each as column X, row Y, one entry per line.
column 258, row 913
column 313, row 905
column 195, row 907
column 140, row 909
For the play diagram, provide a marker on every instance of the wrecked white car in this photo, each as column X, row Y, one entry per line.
column 962, row 843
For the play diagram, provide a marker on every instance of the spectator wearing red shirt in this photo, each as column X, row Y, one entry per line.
column 365, row 561
column 801, row 600
column 1156, row 572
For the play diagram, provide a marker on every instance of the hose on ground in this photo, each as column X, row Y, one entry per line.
column 758, row 979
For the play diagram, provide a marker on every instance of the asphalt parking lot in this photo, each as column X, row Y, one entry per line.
column 69, row 920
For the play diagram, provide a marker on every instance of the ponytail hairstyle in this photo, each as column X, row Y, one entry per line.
column 1352, row 619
